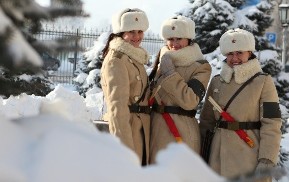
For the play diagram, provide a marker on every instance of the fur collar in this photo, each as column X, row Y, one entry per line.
column 242, row 72
column 138, row 54
column 185, row 56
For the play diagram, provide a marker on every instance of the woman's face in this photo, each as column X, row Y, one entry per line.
column 133, row 37
column 238, row 57
column 175, row 43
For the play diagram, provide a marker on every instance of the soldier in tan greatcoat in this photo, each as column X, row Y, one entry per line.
column 255, row 109
column 124, row 81
column 180, row 78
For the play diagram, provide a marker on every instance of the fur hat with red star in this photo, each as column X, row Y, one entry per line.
column 128, row 20
column 236, row 40
column 179, row 27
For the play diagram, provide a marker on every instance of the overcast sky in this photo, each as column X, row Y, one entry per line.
column 102, row 10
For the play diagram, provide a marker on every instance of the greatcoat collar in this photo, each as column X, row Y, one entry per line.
column 241, row 73
column 138, row 54
column 185, row 56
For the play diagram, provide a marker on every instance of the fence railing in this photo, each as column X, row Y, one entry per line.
column 85, row 39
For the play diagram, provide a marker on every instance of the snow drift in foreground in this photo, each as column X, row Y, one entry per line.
column 52, row 138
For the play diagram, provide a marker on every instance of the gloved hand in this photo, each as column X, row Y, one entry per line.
column 264, row 164
column 166, row 66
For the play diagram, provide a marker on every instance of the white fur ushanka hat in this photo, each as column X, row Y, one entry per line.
column 128, row 20
column 236, row 40
column 180, row 27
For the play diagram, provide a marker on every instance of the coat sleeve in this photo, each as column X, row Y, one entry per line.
column 117, row 81
column 188, row 94
column 270, row 131
column 207, row 116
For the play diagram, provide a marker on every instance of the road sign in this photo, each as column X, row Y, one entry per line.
column 272, row 37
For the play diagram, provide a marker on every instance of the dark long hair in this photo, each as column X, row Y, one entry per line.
column 155, row 66
column 110, row 38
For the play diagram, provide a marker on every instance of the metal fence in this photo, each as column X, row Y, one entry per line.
column 85, row 39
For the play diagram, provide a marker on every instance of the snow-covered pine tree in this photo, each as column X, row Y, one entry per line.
column 212, row 18
column 88, row 68
column 19, row 61
column 75, row 22
column 261, row 16
column 236, row 3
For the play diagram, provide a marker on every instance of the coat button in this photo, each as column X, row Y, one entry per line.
column 138, row 77
column 136, row 98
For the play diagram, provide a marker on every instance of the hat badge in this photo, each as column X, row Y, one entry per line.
column 136, row 19
column 173, row 27
column 234, row 41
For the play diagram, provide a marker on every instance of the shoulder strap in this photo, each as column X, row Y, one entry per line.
column 237, row 92
column 240, row 89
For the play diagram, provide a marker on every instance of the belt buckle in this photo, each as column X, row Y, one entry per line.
column 139, row 109
column 233, row 126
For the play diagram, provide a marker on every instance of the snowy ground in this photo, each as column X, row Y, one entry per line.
column 52, row 138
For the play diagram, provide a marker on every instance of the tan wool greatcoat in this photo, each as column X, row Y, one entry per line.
column 174, row 90
column 230, row 155
column 123, row 80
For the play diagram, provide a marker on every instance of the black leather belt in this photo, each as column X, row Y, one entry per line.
column 140, row 109
column 174, row 110
column 252, row 125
